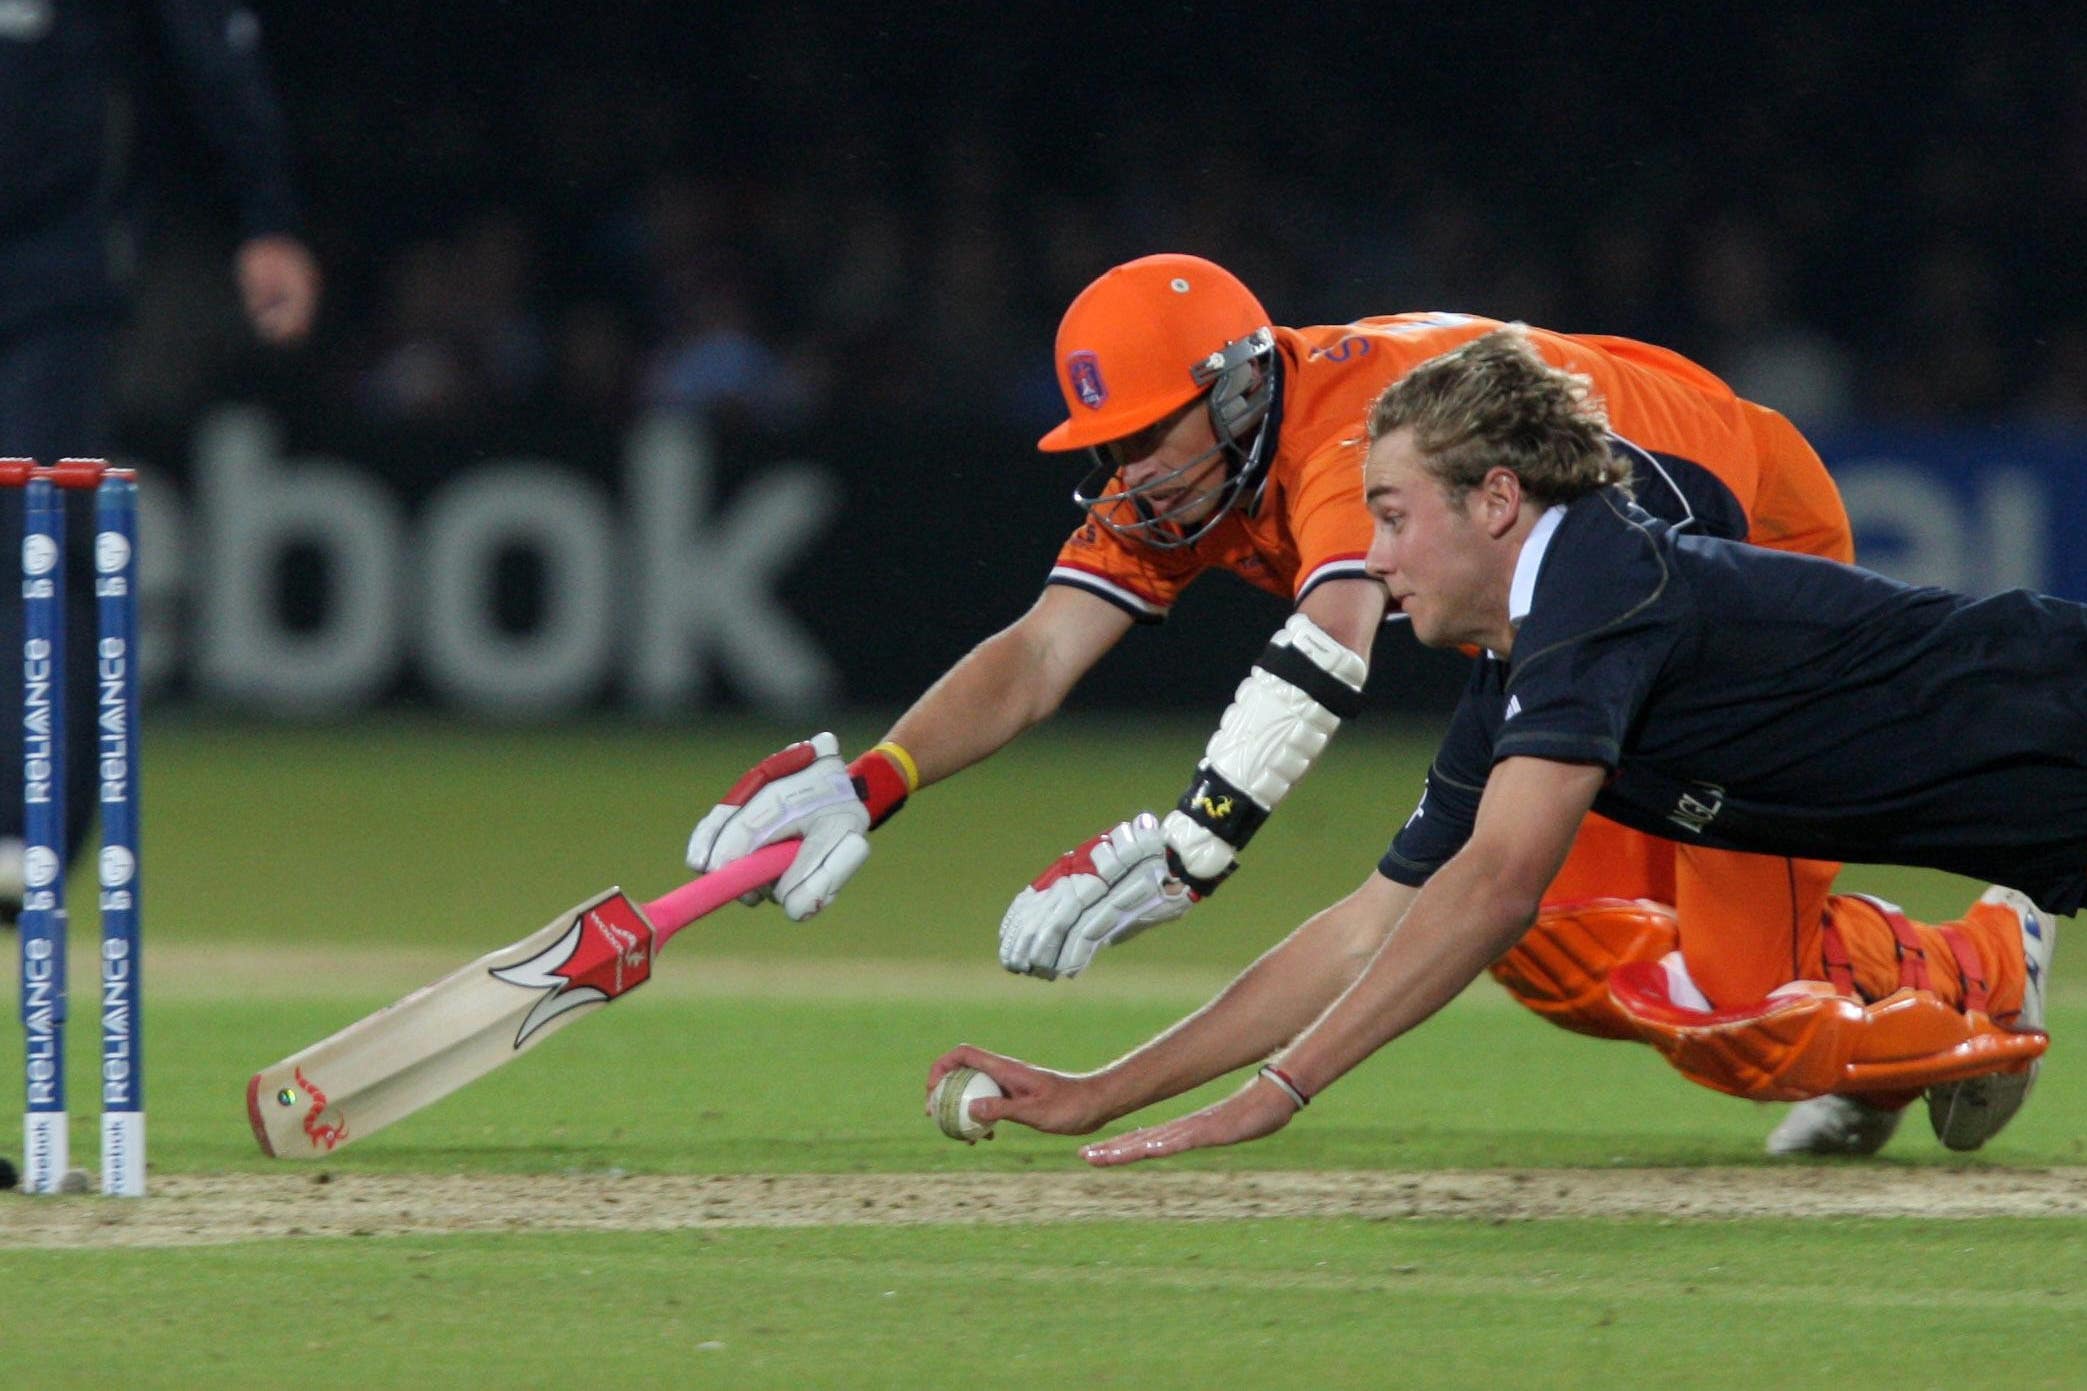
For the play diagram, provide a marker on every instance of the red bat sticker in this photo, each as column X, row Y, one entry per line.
column 607, row 951
column 322, row 1136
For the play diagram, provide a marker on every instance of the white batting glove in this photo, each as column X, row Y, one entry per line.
column 804, row 792
column 1105, row 891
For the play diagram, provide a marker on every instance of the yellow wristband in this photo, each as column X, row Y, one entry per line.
column 905, row 762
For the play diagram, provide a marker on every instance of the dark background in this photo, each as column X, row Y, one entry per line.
column 846, row 233
column 544, row 203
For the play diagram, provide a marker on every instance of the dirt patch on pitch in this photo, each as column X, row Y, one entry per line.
column 192, row 1211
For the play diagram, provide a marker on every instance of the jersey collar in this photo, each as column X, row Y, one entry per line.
column 1522, row 593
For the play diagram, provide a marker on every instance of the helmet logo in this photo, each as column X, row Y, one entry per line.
column 1083, row 370
column 1178, row 285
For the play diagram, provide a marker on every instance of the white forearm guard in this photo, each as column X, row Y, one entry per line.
column 1302, row 686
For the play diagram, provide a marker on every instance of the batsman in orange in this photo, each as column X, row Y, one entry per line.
column 1218, row 440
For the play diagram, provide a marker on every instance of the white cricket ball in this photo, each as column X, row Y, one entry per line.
column 952, row 1100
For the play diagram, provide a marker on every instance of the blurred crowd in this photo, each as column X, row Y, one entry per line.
column 1850, row 214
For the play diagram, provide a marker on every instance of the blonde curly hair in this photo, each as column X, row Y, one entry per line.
column 1494, row 403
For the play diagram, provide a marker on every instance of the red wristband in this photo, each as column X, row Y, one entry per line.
column 881, row 784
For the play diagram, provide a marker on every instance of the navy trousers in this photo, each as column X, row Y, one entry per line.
column 54, row 380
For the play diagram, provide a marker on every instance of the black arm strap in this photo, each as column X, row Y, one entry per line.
column 1287, row 663
column 1220, row 808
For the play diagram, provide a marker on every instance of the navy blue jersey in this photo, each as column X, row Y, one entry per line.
column 1681, row 491
column 1748, row 699
column 69, row 70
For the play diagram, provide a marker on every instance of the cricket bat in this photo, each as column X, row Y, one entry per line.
column 385, row 1067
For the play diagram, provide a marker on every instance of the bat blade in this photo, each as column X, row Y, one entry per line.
column 419, row 1049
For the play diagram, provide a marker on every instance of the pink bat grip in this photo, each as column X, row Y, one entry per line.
column 671, row 912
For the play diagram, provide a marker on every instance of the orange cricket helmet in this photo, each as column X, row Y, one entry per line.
column 1140, row 342
column 1146, row 339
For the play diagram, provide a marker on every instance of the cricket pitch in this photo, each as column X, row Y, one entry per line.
column 197, row 1210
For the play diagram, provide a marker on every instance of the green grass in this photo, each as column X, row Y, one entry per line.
column 1272, row 1304
column 669, row 1084
column 447, row 841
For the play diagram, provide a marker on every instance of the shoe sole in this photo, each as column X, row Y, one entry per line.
column 1967, row 1114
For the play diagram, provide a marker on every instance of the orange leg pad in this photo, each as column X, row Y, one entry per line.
column 1807, row 1040
column 1560, row 969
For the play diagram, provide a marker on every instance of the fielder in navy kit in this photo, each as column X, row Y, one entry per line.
column 1758, row 701
column 72, row 73
column 1705, row 691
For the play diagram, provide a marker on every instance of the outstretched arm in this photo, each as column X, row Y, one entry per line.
column 1473, row 909
column 1303, row 685
column 1007, row 683
column 1145, row 872
column 806, row 792
column 1266, row 1006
